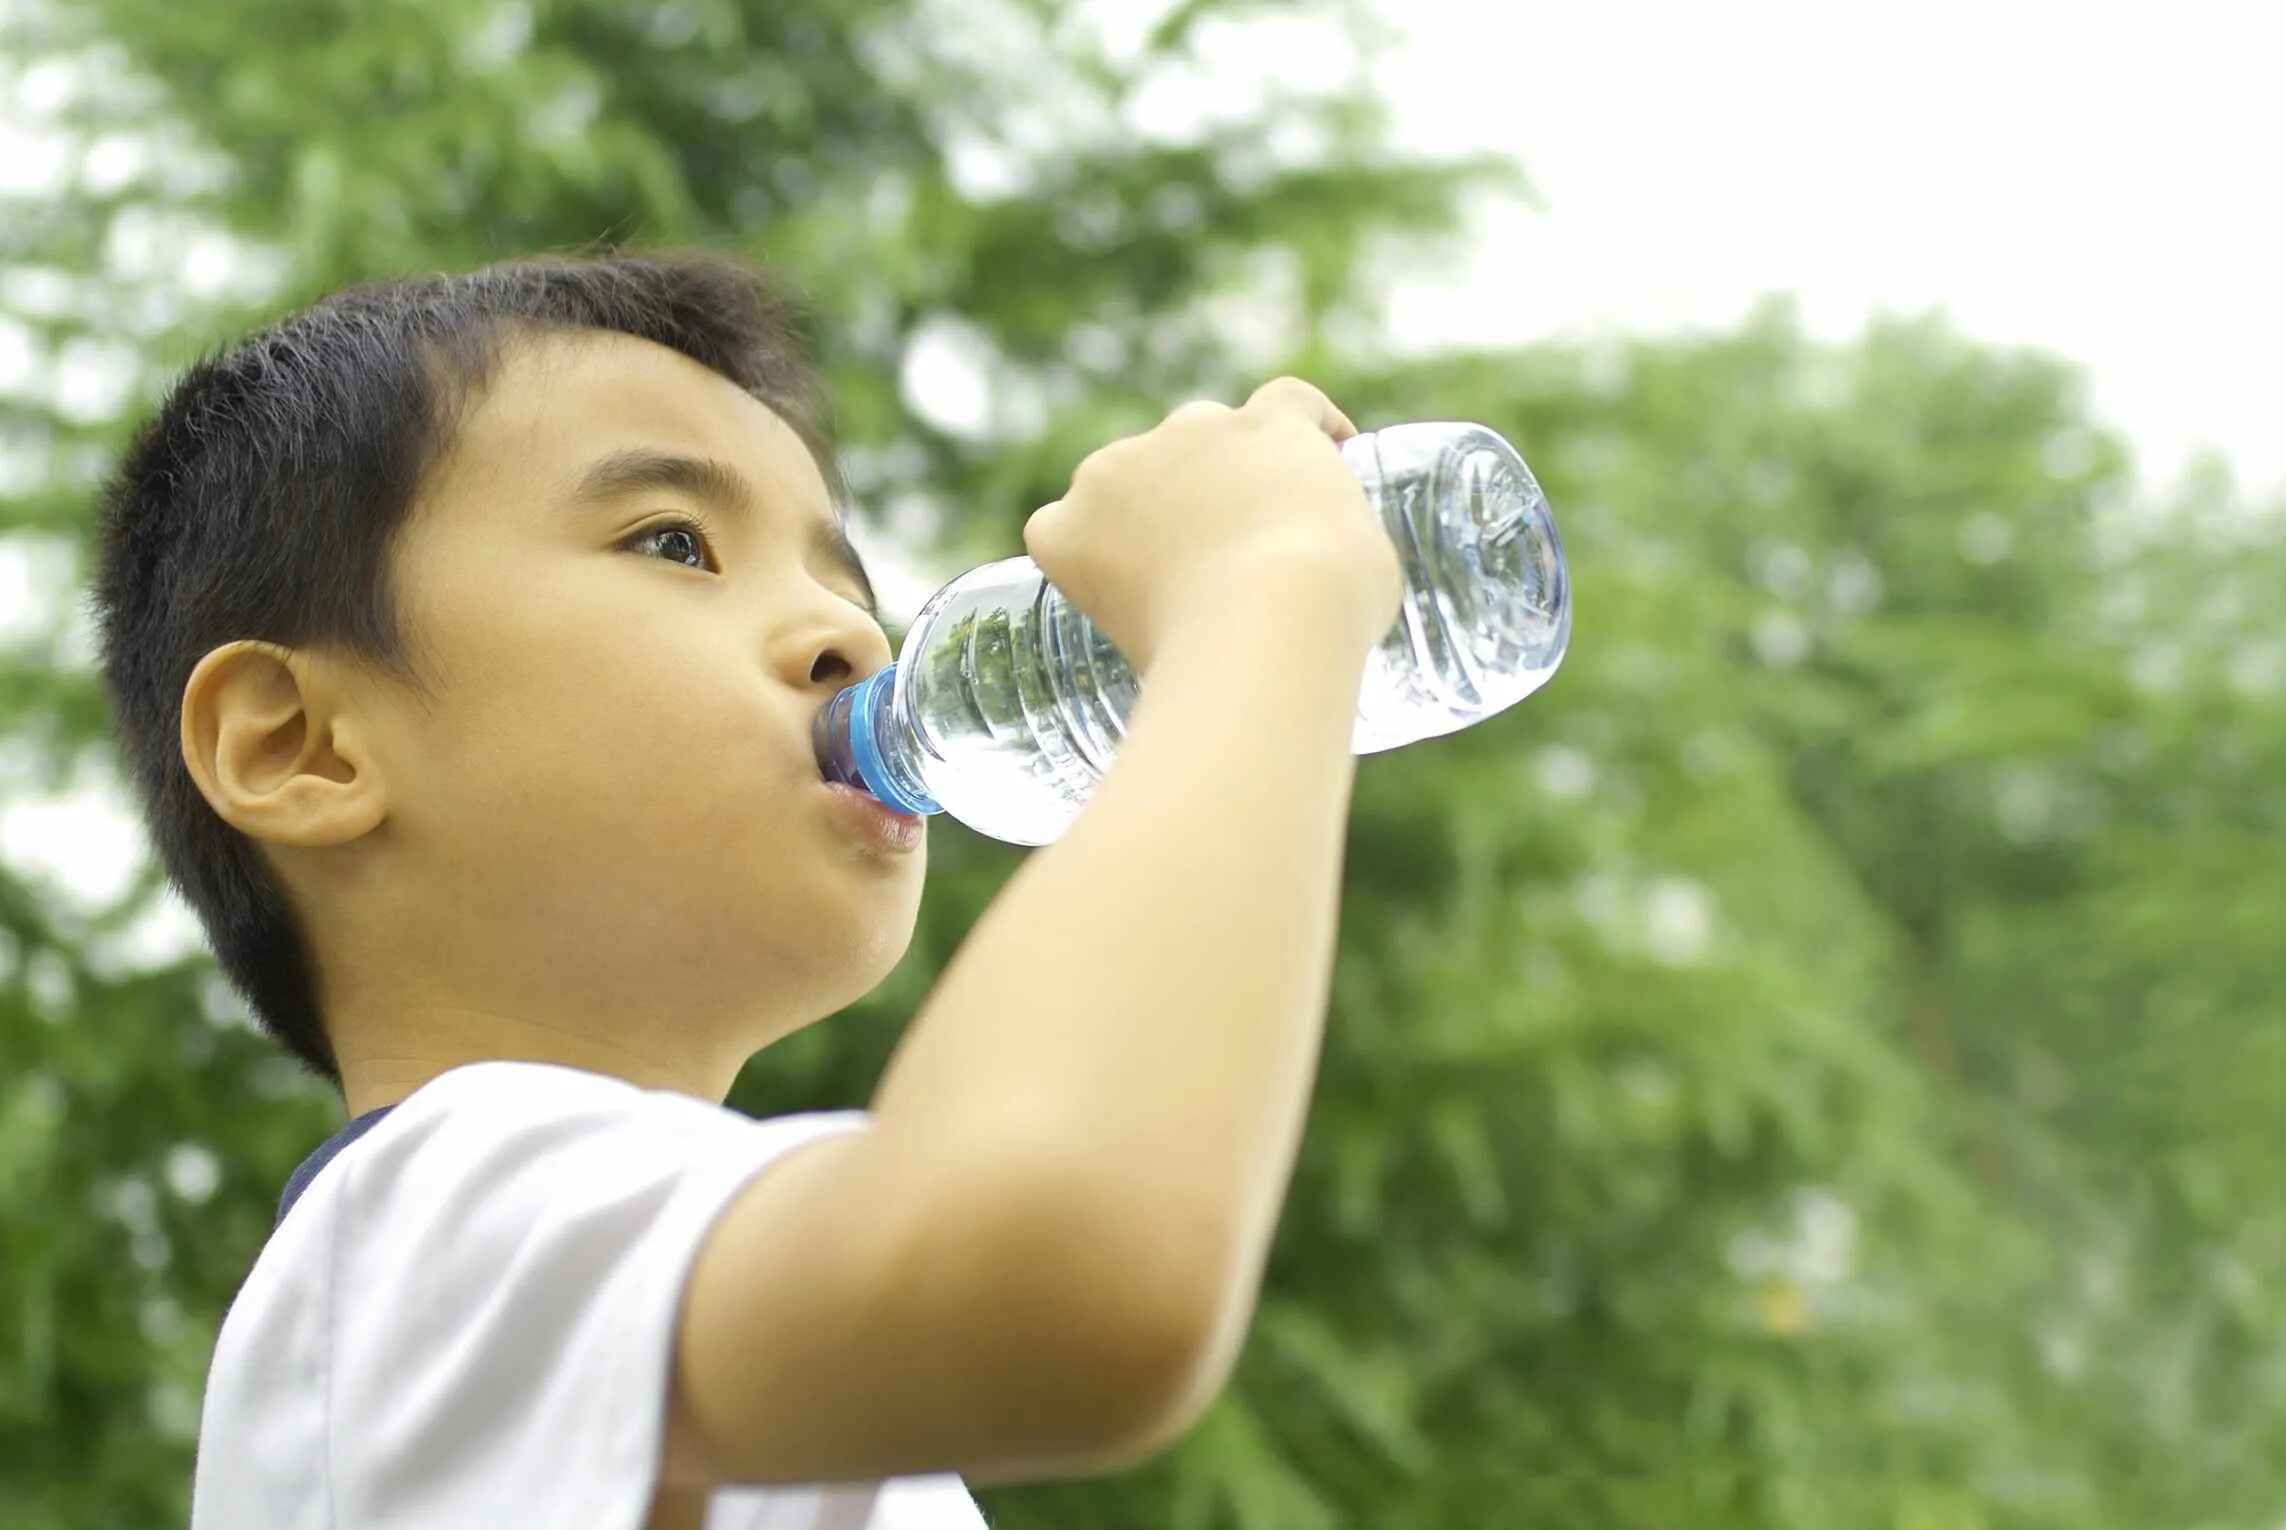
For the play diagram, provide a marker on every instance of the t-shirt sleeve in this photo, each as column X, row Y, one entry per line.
column 506, row 1277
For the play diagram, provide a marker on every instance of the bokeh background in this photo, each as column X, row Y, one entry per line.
column 1819, row 1064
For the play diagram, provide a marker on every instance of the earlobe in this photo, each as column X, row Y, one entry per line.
column 273, row 749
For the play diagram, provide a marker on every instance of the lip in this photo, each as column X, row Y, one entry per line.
column 871, row 819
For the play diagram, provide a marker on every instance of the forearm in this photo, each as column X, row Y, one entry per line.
column 1136, row 1018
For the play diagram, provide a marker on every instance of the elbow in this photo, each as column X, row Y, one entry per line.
column 1168, row 1369
column 1161, row 1331
column 1106, row 1318
column 1131, row 1323
column 1180, row 1393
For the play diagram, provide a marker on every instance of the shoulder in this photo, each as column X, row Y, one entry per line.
column 517, row 1137
column 481, row 1159
column 458, row 1286
column 499, row 1187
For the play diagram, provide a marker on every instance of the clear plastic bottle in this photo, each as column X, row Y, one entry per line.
column 1006, row 705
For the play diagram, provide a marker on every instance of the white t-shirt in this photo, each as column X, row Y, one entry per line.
column 466, row 1320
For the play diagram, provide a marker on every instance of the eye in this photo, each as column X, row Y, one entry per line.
column 689, row 527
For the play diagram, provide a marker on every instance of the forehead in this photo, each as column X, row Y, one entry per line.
column 559, row 401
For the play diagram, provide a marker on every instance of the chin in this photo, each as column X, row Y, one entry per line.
column 858, row 956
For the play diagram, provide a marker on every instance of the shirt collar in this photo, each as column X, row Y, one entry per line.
column 301, row 1177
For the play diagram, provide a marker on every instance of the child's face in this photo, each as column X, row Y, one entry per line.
column 611, row 821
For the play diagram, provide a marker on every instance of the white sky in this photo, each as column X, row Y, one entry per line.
column 2100, row 179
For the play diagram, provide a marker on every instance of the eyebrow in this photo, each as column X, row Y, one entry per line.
column 640, row 470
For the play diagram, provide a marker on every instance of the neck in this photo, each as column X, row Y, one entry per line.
column 382, row 1070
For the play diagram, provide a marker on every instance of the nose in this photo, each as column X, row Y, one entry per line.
column 837, row 646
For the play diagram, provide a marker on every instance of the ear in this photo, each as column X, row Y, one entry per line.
column 275, row 751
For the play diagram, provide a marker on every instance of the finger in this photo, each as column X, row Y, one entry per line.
column 1040, row 526
column 1292, row 395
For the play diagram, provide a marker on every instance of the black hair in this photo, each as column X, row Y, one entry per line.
column 262, row 499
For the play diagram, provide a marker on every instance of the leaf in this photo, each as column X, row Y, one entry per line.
column 1371, row 1394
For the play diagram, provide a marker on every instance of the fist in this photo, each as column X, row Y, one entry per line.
column 1212, row 505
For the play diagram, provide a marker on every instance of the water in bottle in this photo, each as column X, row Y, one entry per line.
column 1006, row 705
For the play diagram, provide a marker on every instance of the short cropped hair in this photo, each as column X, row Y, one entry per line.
column 263, row 497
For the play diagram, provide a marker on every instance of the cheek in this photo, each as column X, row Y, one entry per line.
column 634, row 756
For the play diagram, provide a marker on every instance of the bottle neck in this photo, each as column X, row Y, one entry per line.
column 881, row 747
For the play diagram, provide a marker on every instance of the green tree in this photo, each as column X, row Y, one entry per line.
column 1971, row 759
column 286, row 148
column 1808, row 1067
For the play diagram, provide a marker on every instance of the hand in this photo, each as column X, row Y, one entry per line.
column 1212, row 505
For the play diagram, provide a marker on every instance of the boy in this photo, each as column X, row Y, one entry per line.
column 464, row 636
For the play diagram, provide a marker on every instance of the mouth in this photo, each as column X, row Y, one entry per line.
column 830, row 750
column 842, row 733
column 859, row 792
column 874, row 821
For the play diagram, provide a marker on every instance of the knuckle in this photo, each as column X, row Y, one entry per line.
column 1287, row 394
column 1094, row 465
column 1196, row 414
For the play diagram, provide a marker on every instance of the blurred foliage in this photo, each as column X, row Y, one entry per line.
column 1806, row 1068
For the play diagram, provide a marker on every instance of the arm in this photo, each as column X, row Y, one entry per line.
column 1042, row 1257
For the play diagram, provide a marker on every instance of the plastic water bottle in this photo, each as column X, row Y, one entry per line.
column 1006, row 705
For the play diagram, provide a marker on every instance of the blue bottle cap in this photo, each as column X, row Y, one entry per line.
column 867, row 749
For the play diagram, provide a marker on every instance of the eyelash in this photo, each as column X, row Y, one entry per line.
column 692, row 521
column 689, row 521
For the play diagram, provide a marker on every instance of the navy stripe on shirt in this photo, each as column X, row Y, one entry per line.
column 301, row 1177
